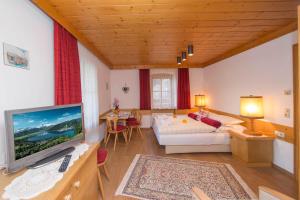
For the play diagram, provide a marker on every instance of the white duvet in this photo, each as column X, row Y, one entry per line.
column 170, row 125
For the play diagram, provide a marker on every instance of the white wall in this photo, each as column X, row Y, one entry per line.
column 196, row 83
column 118, row 79
column 25, row 26
column 266, row 70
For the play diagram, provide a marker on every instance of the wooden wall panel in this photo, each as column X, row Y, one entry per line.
column 296, row 106
column 264, row 126
column 297, row 113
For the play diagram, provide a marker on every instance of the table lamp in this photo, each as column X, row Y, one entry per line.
column 200, row 101
column 251, row 107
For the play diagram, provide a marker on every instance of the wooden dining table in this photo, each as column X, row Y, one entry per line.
column 122, row 116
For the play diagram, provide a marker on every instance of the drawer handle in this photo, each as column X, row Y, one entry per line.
column 76, row 184
column 68, row 197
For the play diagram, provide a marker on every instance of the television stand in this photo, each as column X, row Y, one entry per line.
column 83, row 170
column 51, row 158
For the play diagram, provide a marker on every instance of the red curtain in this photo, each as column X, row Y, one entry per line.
column 183, row 90
column 67, row 67
column 145, row 97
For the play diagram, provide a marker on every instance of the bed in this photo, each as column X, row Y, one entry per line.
column 185, row 135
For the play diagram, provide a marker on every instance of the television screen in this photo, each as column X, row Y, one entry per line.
column 39, row 130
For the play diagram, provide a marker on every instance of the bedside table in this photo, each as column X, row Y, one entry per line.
column 257, row 151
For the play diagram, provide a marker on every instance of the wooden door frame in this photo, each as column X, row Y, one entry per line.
column 296, row 108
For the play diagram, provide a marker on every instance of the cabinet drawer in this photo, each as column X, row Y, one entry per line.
column 83, row 183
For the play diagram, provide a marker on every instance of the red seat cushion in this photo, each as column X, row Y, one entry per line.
column 101, row 155
column 131, row 119
column 133, row 123
column 121, row 127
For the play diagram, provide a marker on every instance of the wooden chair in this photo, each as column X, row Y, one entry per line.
column 115, row 129
column 102, row 157
column 134, row 123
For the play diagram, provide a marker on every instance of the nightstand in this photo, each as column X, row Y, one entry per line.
column 257, row 151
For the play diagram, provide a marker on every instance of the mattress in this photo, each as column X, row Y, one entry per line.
column 192, row 139
column 182, row 124
column 179, row 137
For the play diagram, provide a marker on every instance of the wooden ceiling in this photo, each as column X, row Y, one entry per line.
column 151, row 33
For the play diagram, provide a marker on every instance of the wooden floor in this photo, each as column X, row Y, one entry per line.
column 120, row 160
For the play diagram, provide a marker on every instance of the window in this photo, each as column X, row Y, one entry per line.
column 162, row 85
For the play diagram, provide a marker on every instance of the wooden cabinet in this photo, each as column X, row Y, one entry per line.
column 257, row 151
column 79, row 182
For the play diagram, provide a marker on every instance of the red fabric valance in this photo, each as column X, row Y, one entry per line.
column 183, row 90
column 67, row 67
column 145, row 95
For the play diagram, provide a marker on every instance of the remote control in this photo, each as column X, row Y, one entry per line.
column 65, row 163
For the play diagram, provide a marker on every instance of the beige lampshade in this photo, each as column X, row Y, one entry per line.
column 252, row 107
column 200, row 100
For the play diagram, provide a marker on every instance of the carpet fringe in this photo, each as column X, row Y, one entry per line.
column 125, row 179
column 242, row 182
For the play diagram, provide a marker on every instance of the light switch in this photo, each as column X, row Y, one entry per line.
column 279, row 134
column 287, row 113
column 287, row 92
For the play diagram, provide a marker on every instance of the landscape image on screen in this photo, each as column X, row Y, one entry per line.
column 36, row 131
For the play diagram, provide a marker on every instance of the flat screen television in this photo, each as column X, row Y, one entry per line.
column 37, row 133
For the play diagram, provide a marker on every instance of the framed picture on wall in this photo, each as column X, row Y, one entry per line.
column 15, row 56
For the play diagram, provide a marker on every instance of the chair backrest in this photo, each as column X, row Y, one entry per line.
column 137, row 115
column 112, row 123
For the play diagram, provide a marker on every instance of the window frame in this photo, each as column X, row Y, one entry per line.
column 162, row 76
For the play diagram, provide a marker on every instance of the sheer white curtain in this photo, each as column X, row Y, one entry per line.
column 89, row 87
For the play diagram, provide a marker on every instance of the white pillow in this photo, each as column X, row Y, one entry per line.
column 237, row 128
column 225, row 120
column 202, row 113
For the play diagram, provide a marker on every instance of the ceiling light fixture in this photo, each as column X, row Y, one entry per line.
column 190, row 50
column 178, row 60
column 183, row 56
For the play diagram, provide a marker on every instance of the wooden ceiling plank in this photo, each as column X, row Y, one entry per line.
column 51, row 12
column 148, row 66
column 186, row 16
column 146, row 2
column 183, row 6
column 154, row 32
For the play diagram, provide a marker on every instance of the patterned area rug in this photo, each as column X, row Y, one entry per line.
column 155, row 177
